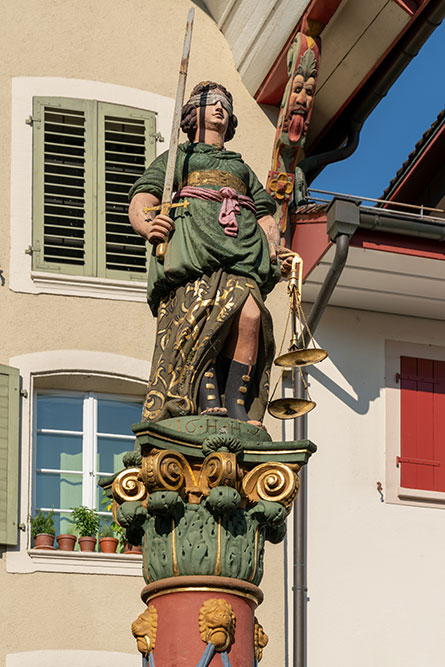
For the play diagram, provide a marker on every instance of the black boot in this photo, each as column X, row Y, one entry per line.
column 237, row 388
column 209, row 397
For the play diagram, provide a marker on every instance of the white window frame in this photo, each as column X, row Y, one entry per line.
column 22, row 278
column 394, row 492
column 89, row 474
column 121, row 375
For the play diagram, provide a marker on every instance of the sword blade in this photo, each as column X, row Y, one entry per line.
column 174, row 138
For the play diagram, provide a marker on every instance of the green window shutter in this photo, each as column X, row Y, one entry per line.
column 126, row 146
column 64, row 173
column 86, row 157
column 9, row 453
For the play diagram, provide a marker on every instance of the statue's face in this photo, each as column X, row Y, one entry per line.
column 301, row 95
column 213, row 116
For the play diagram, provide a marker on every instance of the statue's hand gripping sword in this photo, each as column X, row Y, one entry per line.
column 166, row 203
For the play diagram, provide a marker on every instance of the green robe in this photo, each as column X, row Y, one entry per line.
column 199, row 289
column 199, row 245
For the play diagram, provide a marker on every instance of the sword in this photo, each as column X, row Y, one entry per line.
column 166, row 204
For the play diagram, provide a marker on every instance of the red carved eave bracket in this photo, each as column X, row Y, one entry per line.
column 321, row 11
column 309, row 238
column 272, row 89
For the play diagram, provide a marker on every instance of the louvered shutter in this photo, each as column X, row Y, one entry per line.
column 9, row 453
column 422, row 424
column 126, row 145
column 87, row 155
column 64, row 184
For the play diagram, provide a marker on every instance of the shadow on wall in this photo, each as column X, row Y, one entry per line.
column 366, row 393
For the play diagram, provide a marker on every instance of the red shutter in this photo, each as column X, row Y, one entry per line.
column 422, row 424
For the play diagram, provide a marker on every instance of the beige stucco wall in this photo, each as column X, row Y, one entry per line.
column 136, row 43
column 376, row 582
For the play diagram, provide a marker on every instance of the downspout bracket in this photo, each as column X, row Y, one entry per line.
column 343, row 217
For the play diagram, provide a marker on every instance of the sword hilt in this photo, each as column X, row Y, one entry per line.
column 164, row 209
column 161, row 248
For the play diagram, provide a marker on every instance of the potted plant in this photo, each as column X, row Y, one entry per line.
column 43, row 530
column 132, row 548
column 66, row 541
column 87, row 523
column 108, row 542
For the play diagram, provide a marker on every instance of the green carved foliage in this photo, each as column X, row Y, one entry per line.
column 217, row 536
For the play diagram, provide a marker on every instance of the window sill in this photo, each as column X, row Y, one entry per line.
column 74, row 562
column 422, row 498
column 87, row 286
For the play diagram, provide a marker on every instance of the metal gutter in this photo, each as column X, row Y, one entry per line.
column 404, row 224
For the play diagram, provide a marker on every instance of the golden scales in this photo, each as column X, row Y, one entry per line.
column 300, row 353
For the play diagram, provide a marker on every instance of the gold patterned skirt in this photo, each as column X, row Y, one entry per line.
column 192, row 325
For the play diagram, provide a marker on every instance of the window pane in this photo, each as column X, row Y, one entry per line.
column 59, row 452
column 64, row 526
column 59, row 412
column 109, row 454
column 118, row 416
column 61, row 491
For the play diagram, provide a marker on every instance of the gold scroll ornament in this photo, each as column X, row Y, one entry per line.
column 170, row 470
column 276, row 482
column 127, row 487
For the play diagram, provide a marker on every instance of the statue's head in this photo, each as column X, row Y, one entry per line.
column 209, row 99
column 301, row 96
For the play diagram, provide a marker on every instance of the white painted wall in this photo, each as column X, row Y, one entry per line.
column 376, row 583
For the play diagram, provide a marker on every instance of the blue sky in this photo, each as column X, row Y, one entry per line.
column 396, row 124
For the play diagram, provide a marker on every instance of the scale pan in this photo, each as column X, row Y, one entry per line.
column 303, row 357
column 289, row 408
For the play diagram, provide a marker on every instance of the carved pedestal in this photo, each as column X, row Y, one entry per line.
column 192, row 611
column 202, row 495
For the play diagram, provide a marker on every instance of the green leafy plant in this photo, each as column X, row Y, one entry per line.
column 107, row 530
column 117, row 530
column 86, row 521
column 41, row 523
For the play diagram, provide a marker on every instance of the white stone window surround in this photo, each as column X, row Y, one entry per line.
column 59, row 368
column 394, row 493
column 21, row 276
column 67, row 658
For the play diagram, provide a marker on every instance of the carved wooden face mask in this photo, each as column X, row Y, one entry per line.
column 300, row 102
column 301, row 97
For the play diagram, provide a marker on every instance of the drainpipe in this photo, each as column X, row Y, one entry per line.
column 343, row 218
column 299, row 588
column 320, row 160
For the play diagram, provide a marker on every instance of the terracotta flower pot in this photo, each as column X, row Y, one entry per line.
column 108, row 544
column 44, row 541
column 66, row 542
column 132, row 548
column 87, row 543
